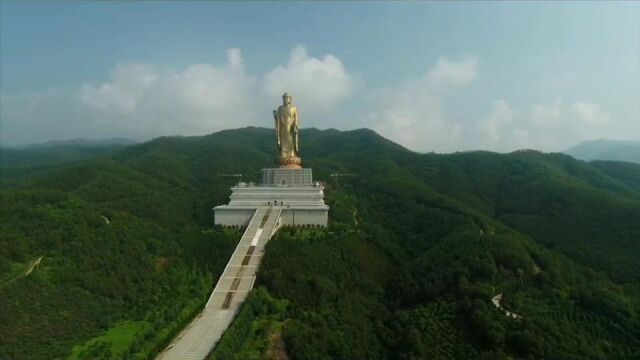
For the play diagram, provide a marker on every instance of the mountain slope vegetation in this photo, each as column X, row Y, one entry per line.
column 417, row 252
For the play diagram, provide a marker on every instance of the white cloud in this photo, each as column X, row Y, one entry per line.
column 503, row 129
column 145, row 100
column 553, row 127
column 495, row 124
column 559, row 114
column 447, row 73
column 201, row 98
column 545, row 116
column 318, row 83
column 142, row 101
column 129, row 83
column 590, row 113
column 211, row 88
column 412, row 117
column 412, row 114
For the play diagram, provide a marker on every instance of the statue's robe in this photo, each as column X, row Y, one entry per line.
column 287, row 122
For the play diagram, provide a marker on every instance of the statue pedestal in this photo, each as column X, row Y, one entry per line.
column 292, row 190
column 285, row 176
column 290, row 162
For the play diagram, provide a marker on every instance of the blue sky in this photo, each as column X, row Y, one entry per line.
column 431, row 76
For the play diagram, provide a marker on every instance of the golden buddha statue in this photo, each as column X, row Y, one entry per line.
column 287, row 133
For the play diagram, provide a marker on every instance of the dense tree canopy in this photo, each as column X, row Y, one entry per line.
column 418, row 248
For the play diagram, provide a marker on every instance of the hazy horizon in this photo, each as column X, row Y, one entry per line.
column 131, row 141
column 431, row 76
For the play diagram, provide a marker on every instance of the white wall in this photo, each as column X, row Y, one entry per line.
column 233, row 217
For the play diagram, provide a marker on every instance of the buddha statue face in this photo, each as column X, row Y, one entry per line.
column 286, row 99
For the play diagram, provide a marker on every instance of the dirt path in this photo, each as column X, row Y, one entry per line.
column 34, row 264
column 496, row 302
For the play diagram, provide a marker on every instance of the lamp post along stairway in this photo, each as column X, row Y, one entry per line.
column 198, row 339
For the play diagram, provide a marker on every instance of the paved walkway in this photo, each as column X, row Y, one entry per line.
column 496, row 302
column 198, row 339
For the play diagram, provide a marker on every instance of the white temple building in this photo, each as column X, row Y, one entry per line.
column 292, row 190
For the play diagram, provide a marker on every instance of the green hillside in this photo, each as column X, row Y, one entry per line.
column 627, row 173
column 418, row 246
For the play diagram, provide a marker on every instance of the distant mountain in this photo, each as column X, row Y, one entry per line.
column 76, row 142
column 602, row 149
column 427, row 256
column 55, row 152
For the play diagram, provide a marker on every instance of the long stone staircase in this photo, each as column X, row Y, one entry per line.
column 202, row 334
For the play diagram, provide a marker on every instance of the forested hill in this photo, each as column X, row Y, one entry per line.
column 56, row 152
column 108, row 258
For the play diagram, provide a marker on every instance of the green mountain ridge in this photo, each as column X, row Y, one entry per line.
column 417, row 248
column 56, row 152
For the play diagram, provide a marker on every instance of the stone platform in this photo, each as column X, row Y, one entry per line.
column 301, row 200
